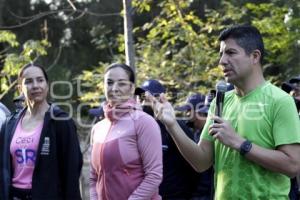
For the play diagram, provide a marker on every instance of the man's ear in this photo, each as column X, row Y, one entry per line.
column 256, row 56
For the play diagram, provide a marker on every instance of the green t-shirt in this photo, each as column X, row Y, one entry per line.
column 267, row 117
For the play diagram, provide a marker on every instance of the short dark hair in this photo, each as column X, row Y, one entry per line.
column 129, row 71
column 20, row 75
column 246, row 36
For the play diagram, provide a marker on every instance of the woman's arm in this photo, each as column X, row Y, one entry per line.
column 93, row 175
column 93, row 181
column 70, row 158
column 150, row 149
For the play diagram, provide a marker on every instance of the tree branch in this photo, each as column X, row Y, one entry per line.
column 45, row 14
column 11, row 86
column 72, row 5
column 56, row 59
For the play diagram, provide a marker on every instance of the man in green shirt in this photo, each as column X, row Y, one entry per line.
column 255, row 146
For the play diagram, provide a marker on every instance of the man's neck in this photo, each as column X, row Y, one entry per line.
column 251, row 83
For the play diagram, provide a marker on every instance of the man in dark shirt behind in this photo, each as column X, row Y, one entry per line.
column 179, row 178
column 196, row 109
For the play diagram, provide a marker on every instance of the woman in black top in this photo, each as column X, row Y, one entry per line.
column 40, row 155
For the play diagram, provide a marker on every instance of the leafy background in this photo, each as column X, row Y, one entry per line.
column 175, row 41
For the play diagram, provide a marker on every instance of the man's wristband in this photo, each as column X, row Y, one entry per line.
column 245, row 147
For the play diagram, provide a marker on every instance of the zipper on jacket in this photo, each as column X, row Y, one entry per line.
column 101, row 158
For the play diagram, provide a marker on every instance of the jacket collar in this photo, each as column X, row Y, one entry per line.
column 53, row 112
column 116, row 112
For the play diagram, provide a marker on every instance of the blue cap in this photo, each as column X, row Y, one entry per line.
column 96, row 112
column 208, row 99
column 153, row 86
column 193, row 102
column 290, row 85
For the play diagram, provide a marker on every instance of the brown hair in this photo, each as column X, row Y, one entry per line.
column 20, row 75
column 129, row 71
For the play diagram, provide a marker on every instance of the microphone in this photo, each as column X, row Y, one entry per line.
column 221, row 88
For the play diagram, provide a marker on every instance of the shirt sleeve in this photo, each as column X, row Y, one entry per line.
column 204, row 134
column 2, row 117
column 150, row 149
column 286, row 124
column 93, row 175
column 70, row 158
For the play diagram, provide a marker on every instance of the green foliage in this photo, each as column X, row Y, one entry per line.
column 180, row 48
column 9, row 37
column 281, row 38
column 14, row 58
column 142, row 6
column 91, row 85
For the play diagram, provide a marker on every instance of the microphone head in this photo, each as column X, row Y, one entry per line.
column 221, row 86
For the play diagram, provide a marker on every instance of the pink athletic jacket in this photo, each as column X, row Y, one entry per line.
column 126, row 155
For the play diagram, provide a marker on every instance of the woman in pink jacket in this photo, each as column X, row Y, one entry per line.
column 126, row 155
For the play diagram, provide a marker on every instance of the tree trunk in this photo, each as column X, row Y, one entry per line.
column 129, row 47
column 2, row 2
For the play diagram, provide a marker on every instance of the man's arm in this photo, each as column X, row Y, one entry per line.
column 284, row 159
column 200, row 155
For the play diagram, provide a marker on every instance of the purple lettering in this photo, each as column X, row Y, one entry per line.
column 28, row 156
column 24, row 140
column 19, row 156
